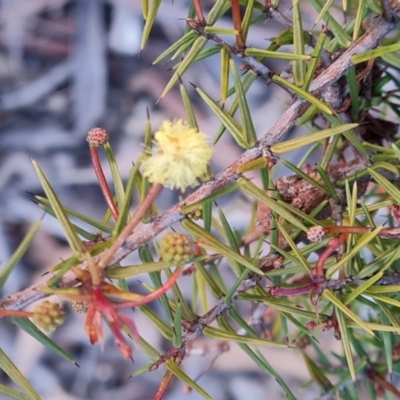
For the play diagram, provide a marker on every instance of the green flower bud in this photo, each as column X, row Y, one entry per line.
column 48, row 316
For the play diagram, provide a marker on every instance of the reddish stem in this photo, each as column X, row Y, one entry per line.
column 237, row 23
column 166, row 380
column 317, row 274
column 15, row 313
column 103, row 182
column 292, row 291
column 153, row 295
column 357, row 230
column 198, row 9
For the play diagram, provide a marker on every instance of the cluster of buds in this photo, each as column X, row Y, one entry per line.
column 48, row 315
column 316, row 234
column 177, row 248
column 97, row 137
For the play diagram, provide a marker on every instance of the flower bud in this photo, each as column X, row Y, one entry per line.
column 316, row 234
column 176, row 247
column 48, row 315
column 97, row 137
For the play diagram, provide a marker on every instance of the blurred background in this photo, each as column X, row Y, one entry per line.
column 65, row 67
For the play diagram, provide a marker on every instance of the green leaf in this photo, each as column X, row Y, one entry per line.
column 298, row 255
column 18, row 253
column 351, row 80
column 260, row 195
column 298, row 45
column 219, row 334
column 304, row 175
column 161, row 325
column 186, row 39
column 45, row 205
column 280, row 304
column 233, row 127
column 74, row 242
column 249, row 133
column 199, row 293
column 32, row 330
column 216, row 290
column 139, row 371
column 392, row 59
column 187, row 312
column 346, row 342
column 323, row 10
column 310, row 113
column 197, row 46
column 13, row 394
column 316, row 372
column 15, row 375
column 115, row 174
column 349, row 135
column 340, row 34
column 233, row 290
column 178, row 372
column 343, row 308
column 386, row 165
column 146, row 257
column 396, row 150
column 225, row 56
column 150, row 18
column 145, row 8
column 358, row 19
column 387, row 343
column 132, row 270
column 247, row 79
column 312, row 65
column 219, row 30
column 329, row 185
column 387, row 185
column 362, row 288
column 126, row 202
column 258, row 359
column 303, row 140
column 220, row 7
column 210, row 241
column 258, row 163
column 148, row 349
column 303, row 94
column 255, row 52
column 207, row 52
column 374, row 53
column 246, row 19
column 361, row 242
column 374, row 6
column 230, row 237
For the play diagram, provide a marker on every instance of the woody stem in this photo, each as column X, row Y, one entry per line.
column 145, row 204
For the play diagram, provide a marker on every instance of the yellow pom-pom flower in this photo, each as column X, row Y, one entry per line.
column 181, row 156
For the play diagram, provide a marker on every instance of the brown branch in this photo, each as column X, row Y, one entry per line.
column 198, row 9
column 145, row 232
column 237, row 23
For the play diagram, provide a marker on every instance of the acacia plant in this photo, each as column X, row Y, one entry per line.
column 328, row 230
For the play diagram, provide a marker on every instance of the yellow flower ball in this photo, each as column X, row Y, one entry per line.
column 181, row 156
